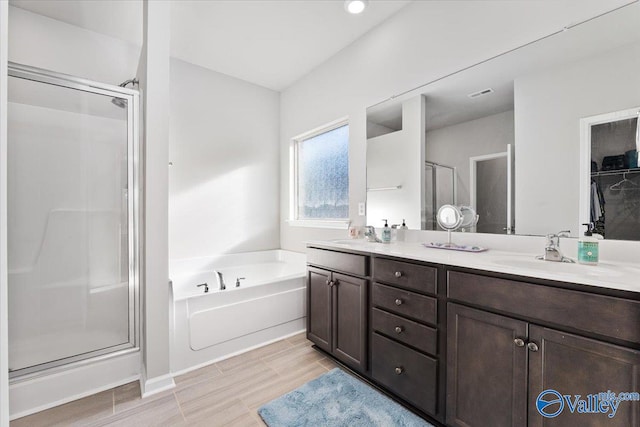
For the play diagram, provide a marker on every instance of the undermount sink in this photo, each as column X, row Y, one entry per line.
column 603, row 269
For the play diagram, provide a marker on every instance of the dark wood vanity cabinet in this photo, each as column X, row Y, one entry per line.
column 498, row 364
column 337, row 305
column 404, row 331
column 473, row 348
column 486, row 371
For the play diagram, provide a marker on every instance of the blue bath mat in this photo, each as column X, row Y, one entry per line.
column 337, row 399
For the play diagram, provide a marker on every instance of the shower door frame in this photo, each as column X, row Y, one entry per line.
column 434, row 187
column 133, row 215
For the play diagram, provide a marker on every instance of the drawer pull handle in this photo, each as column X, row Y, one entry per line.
column 398, row 301
column 519, row 342
column 532, row 346
column 398, row 274
column 399, row 370
column 399, row 329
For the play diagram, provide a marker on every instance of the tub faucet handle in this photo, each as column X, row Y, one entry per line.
column 206, row 287
column 238, row 281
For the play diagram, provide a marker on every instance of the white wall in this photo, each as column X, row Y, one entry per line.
column 4, row 354
column 53, row 45
column 154, row 82
column 545, row 156
column 422, row 42
column 454, row 145
column 397, row 159
column 224, row 182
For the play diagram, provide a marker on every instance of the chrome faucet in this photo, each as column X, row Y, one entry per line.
column 370, row 234
column 552, row 248
column 221, row 284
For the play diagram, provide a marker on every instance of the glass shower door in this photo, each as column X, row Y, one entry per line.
column 71, row 220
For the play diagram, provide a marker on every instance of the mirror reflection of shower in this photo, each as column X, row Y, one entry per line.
column 440, row 189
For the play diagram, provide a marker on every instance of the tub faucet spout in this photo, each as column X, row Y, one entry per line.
column 221, row 284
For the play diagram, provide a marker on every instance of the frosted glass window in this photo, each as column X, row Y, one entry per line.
column 322, row 182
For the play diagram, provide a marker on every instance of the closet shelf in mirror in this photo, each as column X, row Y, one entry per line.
column 615, row 172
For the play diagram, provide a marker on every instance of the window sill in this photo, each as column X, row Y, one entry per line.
column 342, row 224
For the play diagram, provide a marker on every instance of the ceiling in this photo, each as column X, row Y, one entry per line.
column 271, row 43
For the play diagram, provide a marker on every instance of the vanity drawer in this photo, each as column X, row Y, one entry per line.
column 406, row 372
column 419, row 277
column 406, row 303
column 339, row 261
column 407, row 331
column 599, row 314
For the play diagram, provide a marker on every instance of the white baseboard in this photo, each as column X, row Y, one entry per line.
column 151, row 386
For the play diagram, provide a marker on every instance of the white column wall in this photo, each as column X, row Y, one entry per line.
column 155, row 83
column 4, row 354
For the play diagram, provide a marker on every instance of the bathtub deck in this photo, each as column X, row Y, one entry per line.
column 227, row 393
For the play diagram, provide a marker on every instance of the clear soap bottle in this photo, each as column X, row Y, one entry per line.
column 386, row 232
column 402, row 232
column 588, row 247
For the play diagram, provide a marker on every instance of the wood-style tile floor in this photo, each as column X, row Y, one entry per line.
column 227, row 393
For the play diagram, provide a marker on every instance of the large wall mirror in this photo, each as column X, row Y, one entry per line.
column 520, row 138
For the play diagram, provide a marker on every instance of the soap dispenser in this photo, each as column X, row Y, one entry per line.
column 588, row 247
column 386, row 232
column 402, row 232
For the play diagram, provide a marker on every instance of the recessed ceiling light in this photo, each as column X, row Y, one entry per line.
column 355, row 6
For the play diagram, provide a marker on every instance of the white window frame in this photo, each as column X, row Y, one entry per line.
column 293, row 180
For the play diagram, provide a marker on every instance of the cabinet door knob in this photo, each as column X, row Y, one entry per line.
column 398, row 273
column 399, row 370
column 519, row 342
column 336, row 282
column 532, row 346
column 328, row 282
column 399, row 329
column 398, row 301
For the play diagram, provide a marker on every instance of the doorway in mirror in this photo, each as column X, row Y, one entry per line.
column 613, row 191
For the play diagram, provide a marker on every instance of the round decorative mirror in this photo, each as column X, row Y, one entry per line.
column 449, row 217
column 469, row 217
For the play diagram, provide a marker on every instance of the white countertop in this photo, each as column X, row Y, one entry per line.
column 620, row 276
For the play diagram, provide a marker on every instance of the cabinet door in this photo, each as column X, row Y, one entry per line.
column 349, row 321
column 486, row 369
column 319, row 307
column 572, row 365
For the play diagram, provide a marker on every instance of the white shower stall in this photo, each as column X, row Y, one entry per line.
column 72, row 221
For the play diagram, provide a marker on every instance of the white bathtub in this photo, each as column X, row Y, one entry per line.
column 270, row 304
